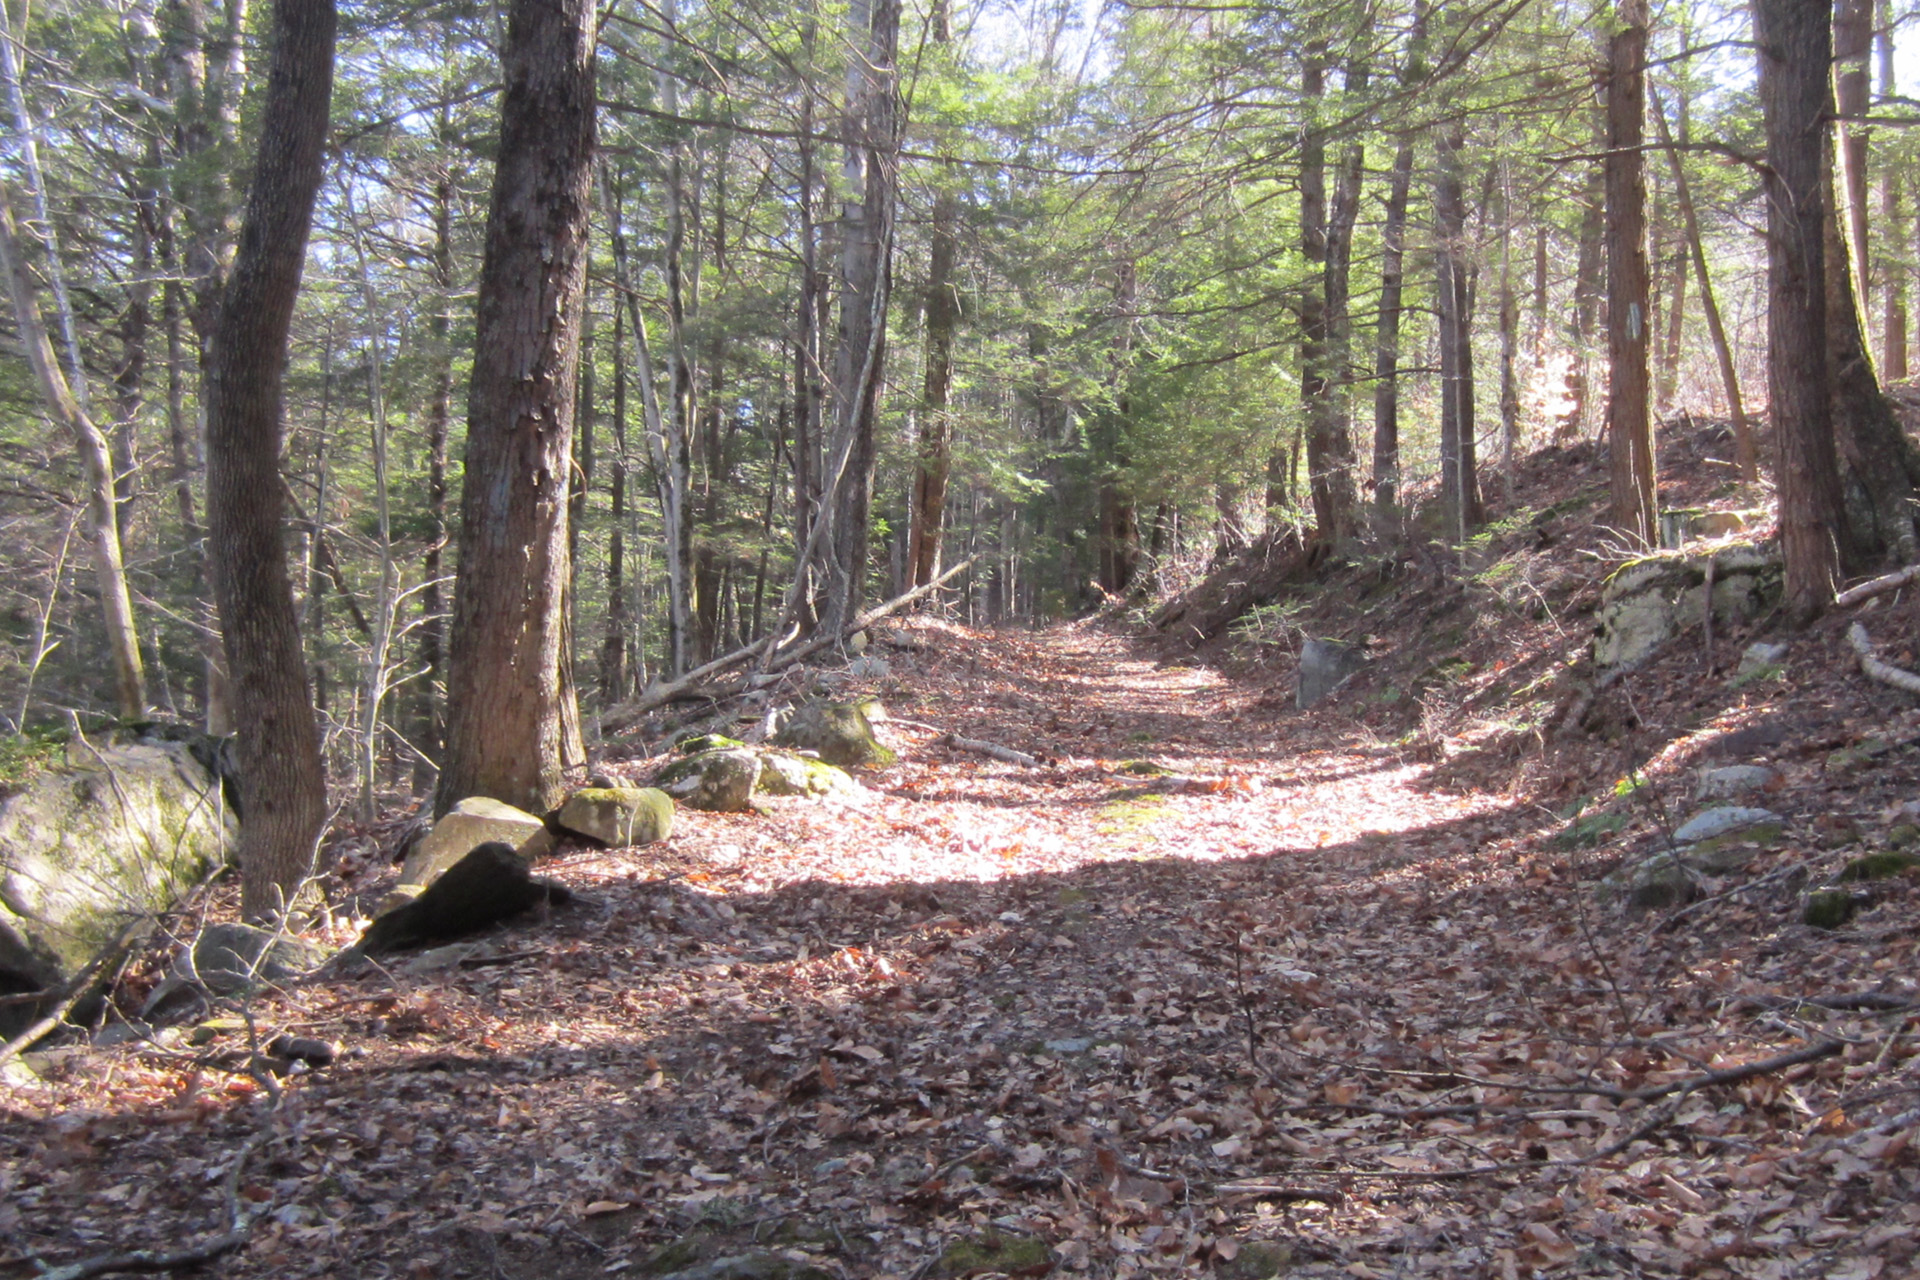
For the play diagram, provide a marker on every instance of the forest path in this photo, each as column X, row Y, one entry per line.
column 1246, row 774
column 1292, row 1010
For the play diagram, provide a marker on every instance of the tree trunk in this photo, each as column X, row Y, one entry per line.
column 96, row 461
column 1852, row 82
column 1794, row 38
column 1509, row 323
column 505, row 724
column 613, row 649
column 430, row 715
column 1629, row 427
column 1877, row 461
column 1893, row 265
column 282, row 786
column 1329, row 474
column 1334, row 500
column 1588, row 281
column 1459, row 487
column 872, row 131
column 1744, row 452
column 1386, row 344
column 932, row 467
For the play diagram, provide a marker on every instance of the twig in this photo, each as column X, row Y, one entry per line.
column 1874, row 668
column 1875, row 586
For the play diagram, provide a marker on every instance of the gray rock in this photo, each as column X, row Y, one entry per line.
column 227, row 959
column 1723, row 821
column 1760, row 654
column 838, row 732
column 1325, row 665
column 619, row 817
column 1649, row 601
column 468, row 825
column 1733, row 780
column 720, row 781
column 117, row 833
column 869, row 666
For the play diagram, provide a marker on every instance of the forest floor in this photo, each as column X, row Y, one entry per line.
column 1336, row 994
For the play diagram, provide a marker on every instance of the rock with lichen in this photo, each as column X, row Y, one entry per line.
column 618, row 817
column 838, row 732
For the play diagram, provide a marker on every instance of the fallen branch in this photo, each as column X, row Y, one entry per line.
column 673, row 690
column 1874, row 668
column 993, row 749
column 1877, row 586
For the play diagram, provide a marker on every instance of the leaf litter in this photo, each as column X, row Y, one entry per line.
column 1278, row 1005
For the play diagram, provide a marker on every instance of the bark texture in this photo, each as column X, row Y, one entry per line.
column 505, row 727
column 1795, row 48
column 282, row 786
column 1629, row 425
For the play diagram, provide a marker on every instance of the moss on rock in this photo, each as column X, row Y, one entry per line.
column 989, row 1251
column 838, row 732
column 619, row 817
column 1877, row 866
column 1829, row 908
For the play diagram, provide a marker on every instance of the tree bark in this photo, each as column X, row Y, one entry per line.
column 872, row 130
column 935, row 462
column 1629, row 426
column 505, row 724
column 1877, row 461
column 1852, row 83
column 1794, row 38
column 282, row 786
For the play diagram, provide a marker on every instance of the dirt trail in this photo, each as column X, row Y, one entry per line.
column 1266, row 1014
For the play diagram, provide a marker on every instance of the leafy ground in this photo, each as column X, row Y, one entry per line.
column 1335, row 994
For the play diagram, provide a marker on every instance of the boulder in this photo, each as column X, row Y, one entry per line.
column 1325, row 665
column 1649, row 601
column 491, row 882
column 1760, row 655
column 468, row 825
column 1653, row 885
column 230, row 958
column 618, row 816
column 782, row 773
column 118, row 831
column 1730, row 820
column 720, row 781
column 1734, row 780
column 838, row 732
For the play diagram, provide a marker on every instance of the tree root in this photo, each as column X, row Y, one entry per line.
column 1874, row 668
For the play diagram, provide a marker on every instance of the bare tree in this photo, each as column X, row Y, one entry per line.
column 1795, row 40
column 282, row 786
column 505, row 723
column 1629, row 426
